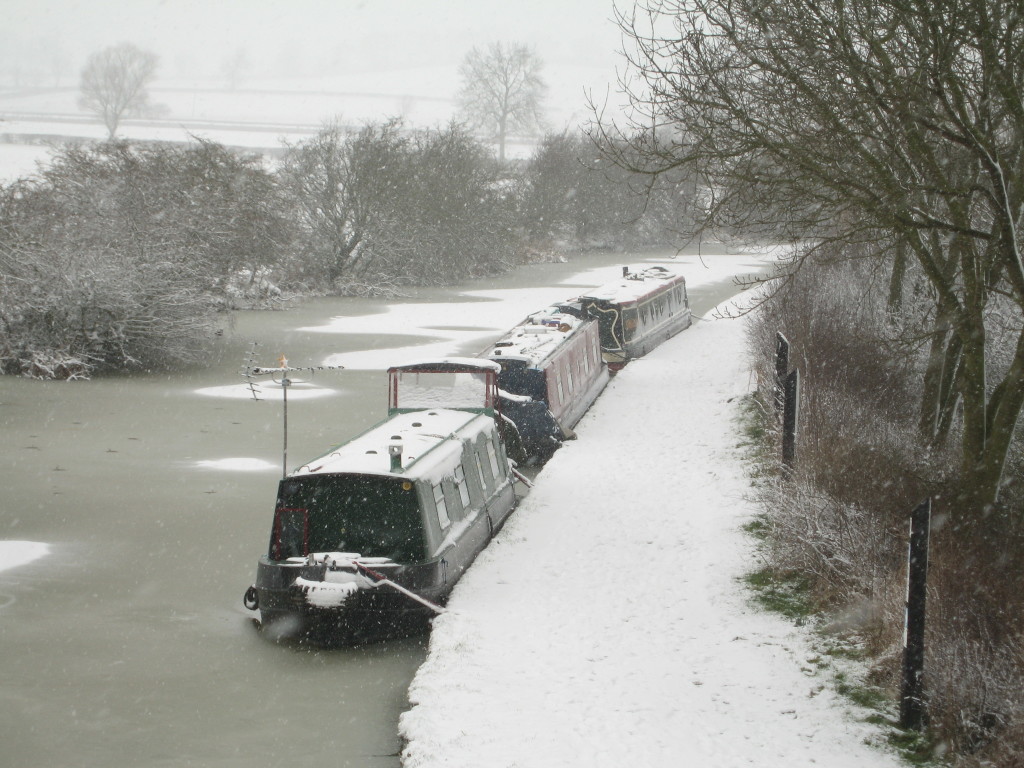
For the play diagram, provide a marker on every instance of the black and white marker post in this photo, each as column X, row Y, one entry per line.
column 912, row 692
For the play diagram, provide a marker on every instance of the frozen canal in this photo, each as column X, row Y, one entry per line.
column 125, row 641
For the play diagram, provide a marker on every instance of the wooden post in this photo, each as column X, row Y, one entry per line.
column 912, row 691
column 781, row 369
column 790, row 418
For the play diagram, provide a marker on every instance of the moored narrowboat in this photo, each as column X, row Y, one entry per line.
column 637, row 312
column 551, row 373
column 369, row 539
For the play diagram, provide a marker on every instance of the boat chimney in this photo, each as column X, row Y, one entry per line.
column 625, row 271
column 395, row 452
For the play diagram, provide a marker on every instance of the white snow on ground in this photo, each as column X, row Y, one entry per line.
column 16, row 553
column 606, row 624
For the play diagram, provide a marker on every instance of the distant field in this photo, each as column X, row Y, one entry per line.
column 263, row 115
column 18, row 160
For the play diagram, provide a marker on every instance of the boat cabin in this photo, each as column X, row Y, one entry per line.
column 637, row 312
column 551, row 373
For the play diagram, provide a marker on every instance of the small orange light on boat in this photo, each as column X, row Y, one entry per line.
column 406, row 486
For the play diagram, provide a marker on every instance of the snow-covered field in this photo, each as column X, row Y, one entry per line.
column 607, row 624
column 268, row 112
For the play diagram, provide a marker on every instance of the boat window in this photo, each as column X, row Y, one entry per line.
column 558, row 384
column 442, row 508
column 441, row 389
column 374, row 516
column 495, row 468
column 290, row 534
column 568, row 376
column 628, row 323
column 460, row 483
column 484, row 483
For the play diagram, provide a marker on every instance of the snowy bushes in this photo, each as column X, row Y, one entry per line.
column 840, row 522
column 846, row 555
column 386, row 206
column 574, row 192
column 120, row 256
column 67, row 313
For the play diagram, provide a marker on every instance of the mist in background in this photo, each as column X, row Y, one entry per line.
column 44, row 43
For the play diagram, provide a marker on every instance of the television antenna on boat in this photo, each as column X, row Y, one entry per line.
column 279, row 375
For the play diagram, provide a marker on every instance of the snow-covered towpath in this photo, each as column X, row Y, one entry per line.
column 606, row 625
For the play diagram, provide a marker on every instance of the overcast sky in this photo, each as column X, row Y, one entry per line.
column 194, row 37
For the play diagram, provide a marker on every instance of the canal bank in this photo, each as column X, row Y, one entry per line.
column 608, row 624
column 135, row 507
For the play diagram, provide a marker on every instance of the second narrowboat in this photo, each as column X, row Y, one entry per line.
column 551, row 373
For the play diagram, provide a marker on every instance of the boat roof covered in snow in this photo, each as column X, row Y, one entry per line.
column 537, row 337
column 632, row 287
column 427, row 443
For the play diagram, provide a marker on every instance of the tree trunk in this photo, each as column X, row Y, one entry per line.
column 899, row 269
column 502, row 134
column 984, row 477
column 939, row 389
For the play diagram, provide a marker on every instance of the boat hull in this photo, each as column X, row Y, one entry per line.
column 374, row 610
column 371, row 614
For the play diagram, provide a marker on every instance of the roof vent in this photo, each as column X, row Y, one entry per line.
column 395, row 452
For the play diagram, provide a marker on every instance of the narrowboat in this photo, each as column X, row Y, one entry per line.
column 637, row 312
column 369, row 539
column 551, row 373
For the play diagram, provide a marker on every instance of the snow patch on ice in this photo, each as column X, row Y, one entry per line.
column 17, row 553
column 503, row 309
column 267, row 390
column 239, row 464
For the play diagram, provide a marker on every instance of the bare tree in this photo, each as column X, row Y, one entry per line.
column 340, row 185
column 842, row 121
column 114, row 82
column 502, row 90
column 235, row 67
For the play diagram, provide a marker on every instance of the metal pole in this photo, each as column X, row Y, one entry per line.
column 398, row 587
column 912, row 691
